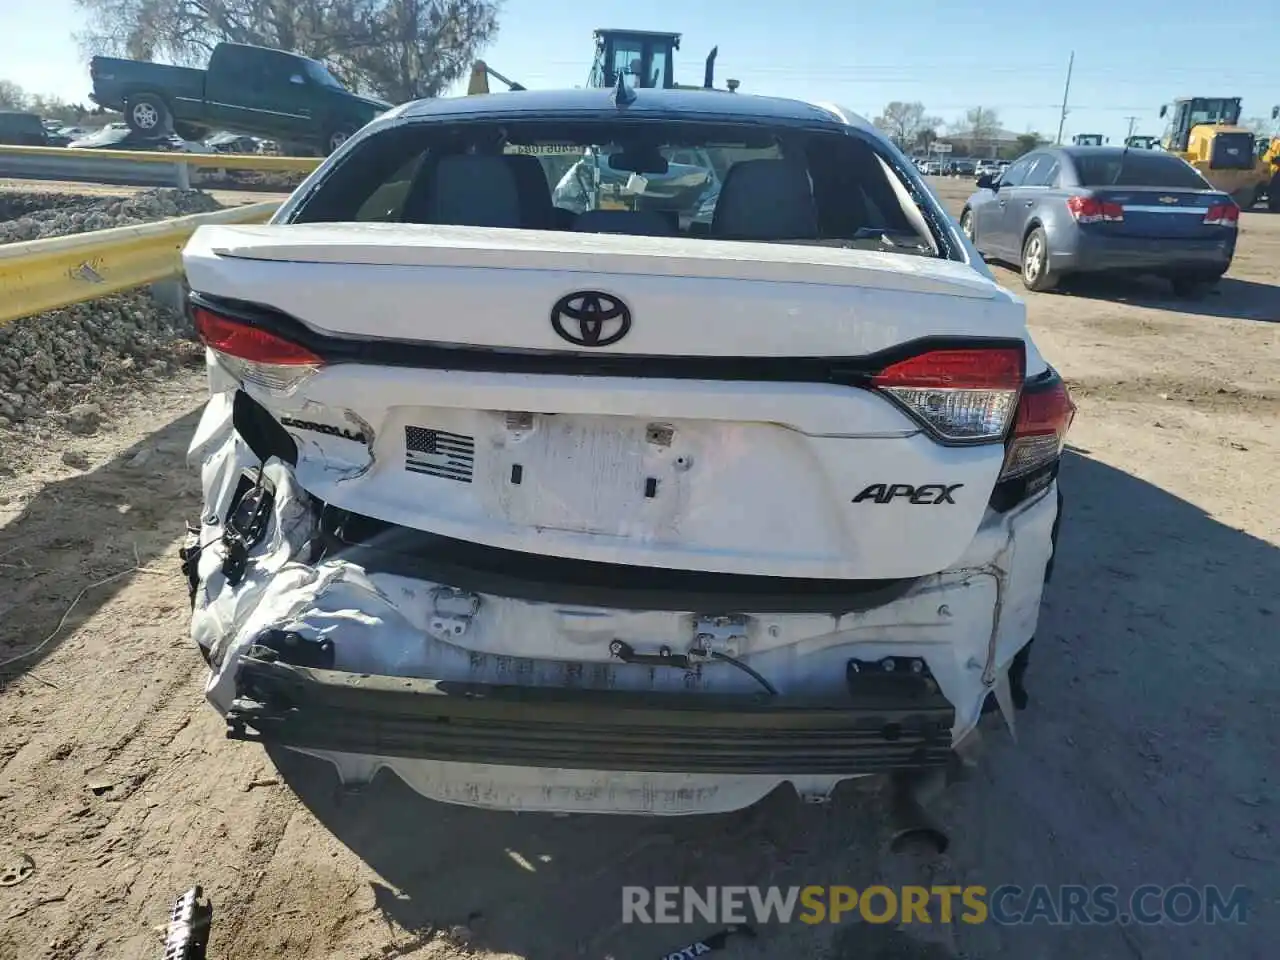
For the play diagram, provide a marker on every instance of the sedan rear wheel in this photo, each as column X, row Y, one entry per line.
column 1037, row 273
column 966, row 224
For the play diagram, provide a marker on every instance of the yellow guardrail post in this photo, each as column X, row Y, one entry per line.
column 40, row 275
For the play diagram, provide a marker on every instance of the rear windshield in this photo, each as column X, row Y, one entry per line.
column 1137, row 169
column 638, row 177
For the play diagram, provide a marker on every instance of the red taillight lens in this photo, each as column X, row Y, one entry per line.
column 1093, row 210
column 963, row 395
column 1223, row 215
column 253, row 354
column 1039, row 430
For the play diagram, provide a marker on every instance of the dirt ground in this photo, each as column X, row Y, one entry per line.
column 1150, row 752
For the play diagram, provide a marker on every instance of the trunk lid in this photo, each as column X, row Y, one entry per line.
column 1162, row 213
column 493, row 288
column 702, row 439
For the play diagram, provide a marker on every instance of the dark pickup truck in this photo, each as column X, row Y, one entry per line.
column 251, row 90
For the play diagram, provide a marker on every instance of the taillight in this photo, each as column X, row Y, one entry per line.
column 1093, row 210
column 1039, row 429
column 254, row 355
column 1223, row 215
column 963, row 395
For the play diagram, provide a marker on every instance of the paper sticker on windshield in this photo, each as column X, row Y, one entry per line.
column 543, row 149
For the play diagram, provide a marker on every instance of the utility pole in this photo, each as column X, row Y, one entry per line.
column 1065, row 91
column 1132, row 121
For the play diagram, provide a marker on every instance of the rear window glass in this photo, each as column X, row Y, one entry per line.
column 1137, row 169
column 665, row 178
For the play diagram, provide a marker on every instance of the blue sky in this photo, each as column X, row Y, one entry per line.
column 1131, row 55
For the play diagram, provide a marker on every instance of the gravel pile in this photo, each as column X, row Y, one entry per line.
column 62, row 366
column 33, row 216
column 216, row 179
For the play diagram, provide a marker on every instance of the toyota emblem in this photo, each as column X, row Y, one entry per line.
column 589, row 318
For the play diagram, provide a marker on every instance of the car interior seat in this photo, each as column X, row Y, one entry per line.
column 536, row 209
column 766, row 200
column 473, row 190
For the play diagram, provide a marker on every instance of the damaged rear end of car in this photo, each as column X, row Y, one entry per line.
column 615, row 509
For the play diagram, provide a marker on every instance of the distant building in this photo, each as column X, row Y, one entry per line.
column 988, row 145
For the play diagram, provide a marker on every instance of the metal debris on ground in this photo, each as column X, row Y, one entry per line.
column 187, row 937
column 14, row 868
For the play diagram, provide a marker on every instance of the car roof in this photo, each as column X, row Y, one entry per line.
column 1074, row 152
column 665, row 104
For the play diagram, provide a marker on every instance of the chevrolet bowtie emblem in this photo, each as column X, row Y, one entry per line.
column 1168, row 199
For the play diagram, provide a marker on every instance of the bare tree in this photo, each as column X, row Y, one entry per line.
column 928, row 133
column 398, row 49
column 423, row 45
column 904, row 122
column 982, row 123
column 1260, row 126
column 12, row 96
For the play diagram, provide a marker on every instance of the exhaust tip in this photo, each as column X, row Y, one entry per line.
column 920, row 839
column 913, row 830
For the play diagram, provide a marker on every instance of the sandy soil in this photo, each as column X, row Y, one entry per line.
column 1149, row 755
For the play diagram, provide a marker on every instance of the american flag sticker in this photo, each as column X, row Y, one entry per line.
column 439, row 453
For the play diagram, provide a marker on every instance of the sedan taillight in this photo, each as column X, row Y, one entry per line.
column 1093, row 210
column 962, row 395
column 1223, row 215
column 254, row 355
column 1040, row 429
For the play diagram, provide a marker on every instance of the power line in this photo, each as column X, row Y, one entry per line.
column 928, row 73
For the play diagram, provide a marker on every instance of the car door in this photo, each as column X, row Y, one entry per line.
column 290, row 93
column 257, row 92
column 1002, row 237
column 1037, row 188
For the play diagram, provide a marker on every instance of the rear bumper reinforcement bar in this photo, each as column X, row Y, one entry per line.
column 867, row 732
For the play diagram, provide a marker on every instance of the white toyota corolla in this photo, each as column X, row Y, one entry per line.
column 616, row 510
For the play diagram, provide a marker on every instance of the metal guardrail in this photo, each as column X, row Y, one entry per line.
column 135, row 167
column 40, row 275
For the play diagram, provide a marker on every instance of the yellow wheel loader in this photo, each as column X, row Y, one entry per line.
column 1269, row 157
column 1205, row 132
column 644, row 55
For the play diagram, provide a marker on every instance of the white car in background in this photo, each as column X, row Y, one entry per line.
column 986, row 168
column 624, row 513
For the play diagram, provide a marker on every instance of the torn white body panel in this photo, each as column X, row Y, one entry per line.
column 967, row 623
column 617, row 510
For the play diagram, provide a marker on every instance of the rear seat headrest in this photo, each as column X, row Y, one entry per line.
column 766, row 200
column 536, row 211
column 475, row 191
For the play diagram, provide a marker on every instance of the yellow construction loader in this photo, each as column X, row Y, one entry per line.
column 1205, row 132
column 644, row 55
column 1269, row 157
